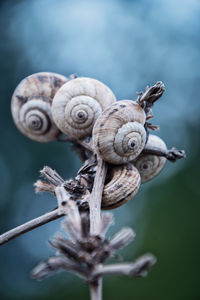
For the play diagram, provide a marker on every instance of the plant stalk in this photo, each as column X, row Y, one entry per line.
column 96, row 196
column 96, row 290
column 95, row 218
column 30, row 225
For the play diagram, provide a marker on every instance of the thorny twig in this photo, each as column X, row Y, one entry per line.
column 85, row 143
column 84, row 253
column 83, row 147
column 80, row 200
column 88, row 248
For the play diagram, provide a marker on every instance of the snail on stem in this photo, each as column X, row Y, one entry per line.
column 119, row 134
column 150, row 165
column 31, row 106
column 122, row 184
column 77, row 105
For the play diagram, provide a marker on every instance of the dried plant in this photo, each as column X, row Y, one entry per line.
column 128, row 152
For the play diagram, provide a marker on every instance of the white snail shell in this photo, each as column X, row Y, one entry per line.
column 150, row 165
column 118, row 134
column 77, row 105
column 31, row 105
column 124, row 182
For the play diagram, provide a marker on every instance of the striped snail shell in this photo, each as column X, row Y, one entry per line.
column 150, row 165
column 118, row 134
column 77, row 105
column 31, row 105
column 122, row 184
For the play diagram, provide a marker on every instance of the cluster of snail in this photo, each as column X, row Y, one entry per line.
column 45, row 105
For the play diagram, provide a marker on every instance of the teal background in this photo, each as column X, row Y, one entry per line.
column 127, row 45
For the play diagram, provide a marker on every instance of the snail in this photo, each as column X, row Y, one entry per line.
column 122, row 184
column 31, row 105
column 118, row 134
column 150, row 165
column 77, row 105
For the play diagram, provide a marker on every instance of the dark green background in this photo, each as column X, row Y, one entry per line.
column 127, row 45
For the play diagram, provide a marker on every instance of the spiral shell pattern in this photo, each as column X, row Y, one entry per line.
column 31, row 105
column 150, row 165
column 77, row 105
column 118, row 134
column 123, row 184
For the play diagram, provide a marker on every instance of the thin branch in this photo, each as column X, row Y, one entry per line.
column 96, row 290
column 137, row 269
column 85, row 143
column 55, row 185
column 54, row 264
column 62, row 196
column 122, row 238
column 82, row 153
column 96, row 196
column 30, row 225
column 95, row 219
column 83, row 147
column 52, row 176
column 172, row 155
column 106, row 221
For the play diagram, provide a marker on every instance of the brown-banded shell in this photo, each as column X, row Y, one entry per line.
column 77, row 105
column 118, row 134
column 31, row 105
column 123, row 183
column 150, row 165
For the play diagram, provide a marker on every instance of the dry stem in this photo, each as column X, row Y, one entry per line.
column 95, row 219
column 30, row 225
column 172, row 154
column 88, row 243
column 136, row 269
column 96, row 196
column 96, row 290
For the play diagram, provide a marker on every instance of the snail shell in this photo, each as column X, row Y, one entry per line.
column 31, row 105
column 118, row 134
column 150, row 165
column 77, row 105
column 123, row 184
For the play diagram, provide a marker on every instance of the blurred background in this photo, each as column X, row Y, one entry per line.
column 127, row 45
